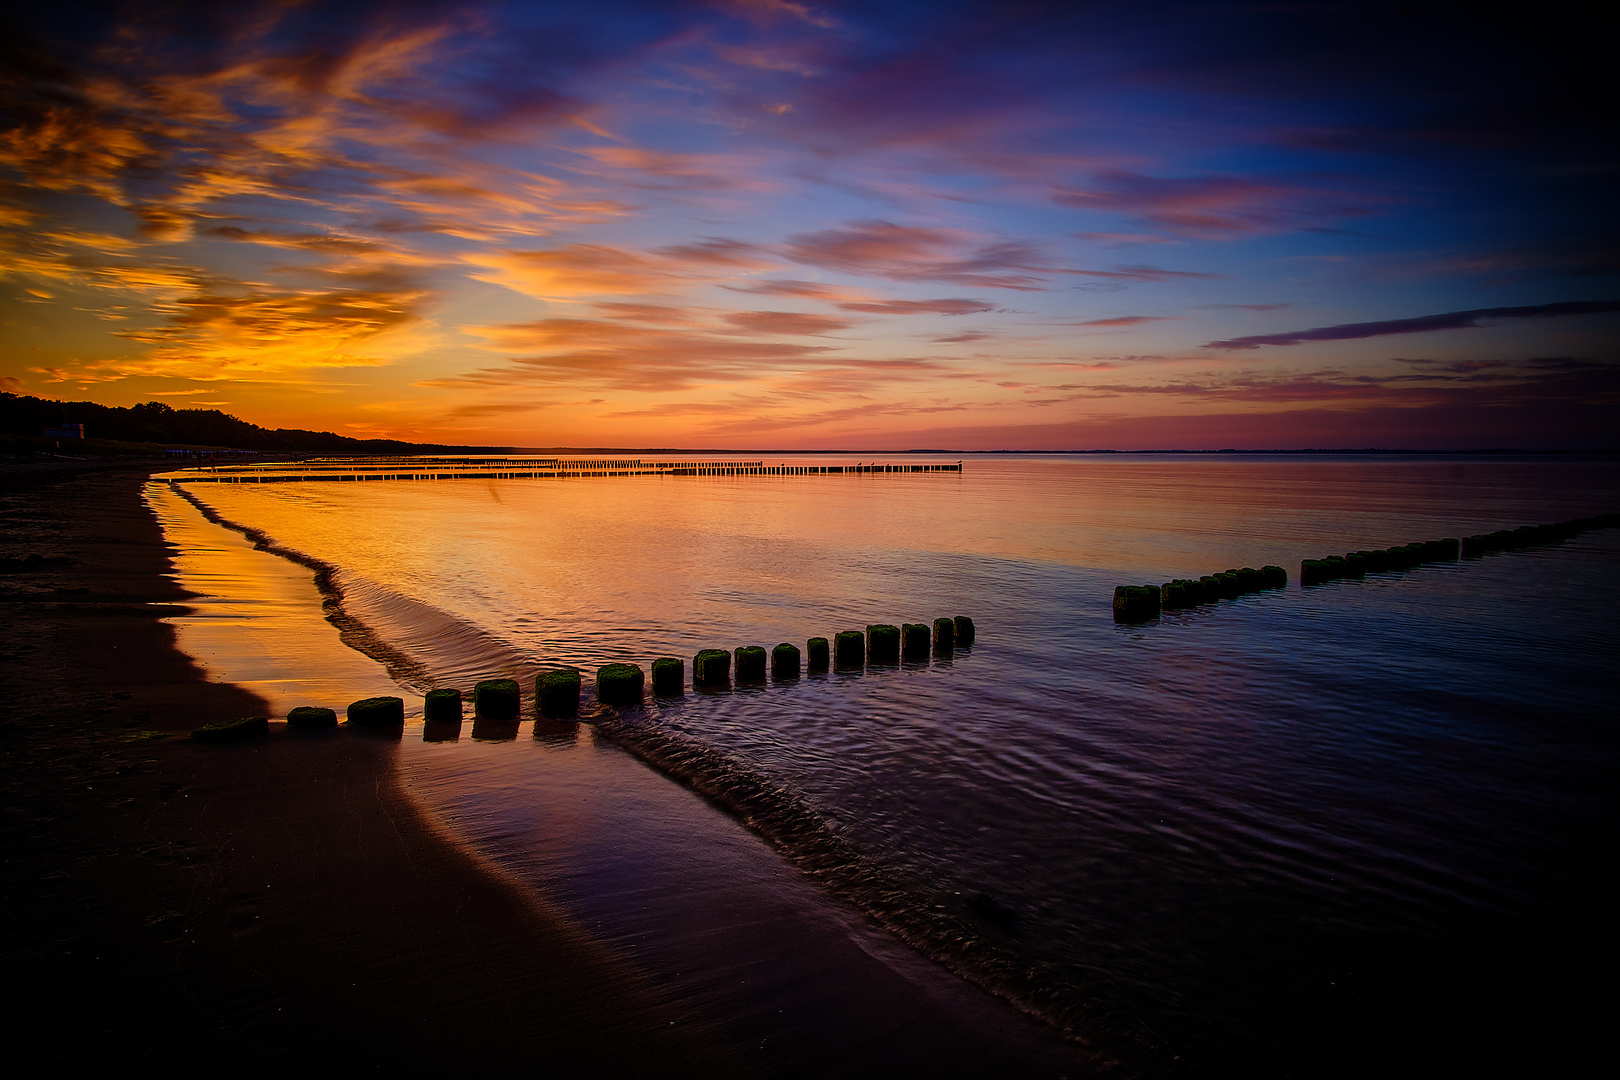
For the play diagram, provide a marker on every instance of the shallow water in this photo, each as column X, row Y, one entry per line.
column 1271, row 835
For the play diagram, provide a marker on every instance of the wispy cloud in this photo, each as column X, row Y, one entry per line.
column 620, row 356
column 1454, row 320
column 1128, row 320
column 1211, row 207
column 786, row 322
column 919, row 307
column 877, row 248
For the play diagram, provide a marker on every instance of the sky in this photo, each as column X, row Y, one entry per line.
column 755, row 224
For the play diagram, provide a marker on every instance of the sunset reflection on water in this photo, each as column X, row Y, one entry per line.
column 1213, row 821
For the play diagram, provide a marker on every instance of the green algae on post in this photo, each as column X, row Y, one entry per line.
column 556, row 693
column 751, row 664
column 849, row 649
column 496, row 699
column 816, row 653
column 311, row 718
column 668, row 676
column 711, row 667
column 944, row 637
column 785, row 662
column 883, row 643
column 442, row 704
column 378, row 712
column 619, row 684
column 964, row 631
column 914, row 640
column 247, row 727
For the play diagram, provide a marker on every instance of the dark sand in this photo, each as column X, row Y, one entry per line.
column 259, row 906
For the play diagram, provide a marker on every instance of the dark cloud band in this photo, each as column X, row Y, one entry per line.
column 1455, row 320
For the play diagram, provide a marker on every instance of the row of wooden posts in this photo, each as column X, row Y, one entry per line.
column 1357, row 564
column 557, row 693
column 1135, row 603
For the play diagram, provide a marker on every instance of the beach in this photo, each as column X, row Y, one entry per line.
column 265, row 905
column 286, row 902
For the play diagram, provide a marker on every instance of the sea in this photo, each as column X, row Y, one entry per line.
column 1310, row 831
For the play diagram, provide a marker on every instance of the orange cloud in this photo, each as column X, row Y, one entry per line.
column 217, row 331
column 596, row 352
column 576, row 270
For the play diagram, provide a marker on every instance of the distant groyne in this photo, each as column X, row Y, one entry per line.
column 519, row 468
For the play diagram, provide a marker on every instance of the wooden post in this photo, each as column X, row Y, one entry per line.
column 556, row 693
column 668, row 676
column 785, row 662
column 619, row 684
column 496, row 699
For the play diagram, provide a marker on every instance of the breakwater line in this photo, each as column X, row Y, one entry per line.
column 319, row 470
column 1138, row 603
column 1358, row 564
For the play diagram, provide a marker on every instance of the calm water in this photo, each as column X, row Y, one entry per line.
column 1294, row 833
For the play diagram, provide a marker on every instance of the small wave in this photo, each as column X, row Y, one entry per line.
column 357, row 635
column 803, row 835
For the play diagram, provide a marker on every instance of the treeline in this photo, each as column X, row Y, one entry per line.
column 156, row 422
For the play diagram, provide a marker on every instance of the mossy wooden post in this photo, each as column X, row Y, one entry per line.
column 378, row 712
column 816, row 654
column 309, row 718
column 751, row 664
column 444, row 704
column 556, row 693
column 945, row 636
column 914, row 640
column 668, row 676
column 711, row 667
column 496, row 699
column 849, row 649
column 883, row 643
column 619, row 684
column 1275, row 576
column 248, row 727
column 785, row 662
column 965, row 632
column 1134, row 603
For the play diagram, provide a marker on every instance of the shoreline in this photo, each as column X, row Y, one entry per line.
column 276, row 903
column 289, row 900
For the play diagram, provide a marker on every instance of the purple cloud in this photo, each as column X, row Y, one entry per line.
column 1212, row 207
column 1454, row 320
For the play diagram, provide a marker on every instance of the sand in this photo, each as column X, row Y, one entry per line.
column 273, row 904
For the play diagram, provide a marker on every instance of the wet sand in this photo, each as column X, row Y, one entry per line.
column 286, row 902
column 259, row 906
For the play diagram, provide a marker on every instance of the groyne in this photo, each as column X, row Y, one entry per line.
column 341, row 470
column 1138, row 603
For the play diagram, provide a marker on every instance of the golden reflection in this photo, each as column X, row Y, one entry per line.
column 259, row 622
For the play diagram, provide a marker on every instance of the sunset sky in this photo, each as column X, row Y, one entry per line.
column 769, row 224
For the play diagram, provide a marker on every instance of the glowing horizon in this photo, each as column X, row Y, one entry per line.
column 755, row 223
